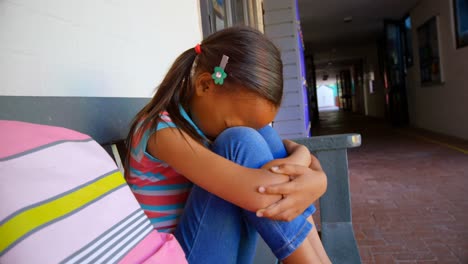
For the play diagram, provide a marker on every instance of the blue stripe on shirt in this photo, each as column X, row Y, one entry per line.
column 162, row 207
column 163, row 218
column 158, row 175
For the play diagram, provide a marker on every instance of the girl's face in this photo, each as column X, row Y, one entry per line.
column 215, row 109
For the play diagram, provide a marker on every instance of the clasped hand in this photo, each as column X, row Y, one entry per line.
column 306, row 185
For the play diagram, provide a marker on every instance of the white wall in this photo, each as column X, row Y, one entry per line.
column 325, row 96
column 440, row 108
column 111, row 48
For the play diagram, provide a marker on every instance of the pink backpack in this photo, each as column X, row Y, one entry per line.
column 62, row 199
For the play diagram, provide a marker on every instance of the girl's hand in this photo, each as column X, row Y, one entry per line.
column 305, row 187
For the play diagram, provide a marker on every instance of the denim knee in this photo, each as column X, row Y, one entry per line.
column 244, row 146
column 244, row 134
column 274, row 142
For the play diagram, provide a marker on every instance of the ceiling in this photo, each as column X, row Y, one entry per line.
column 323, row 26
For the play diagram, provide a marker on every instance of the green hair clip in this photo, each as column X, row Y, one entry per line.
column 219, row 74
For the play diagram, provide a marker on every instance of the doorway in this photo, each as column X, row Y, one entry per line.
column 394, row 70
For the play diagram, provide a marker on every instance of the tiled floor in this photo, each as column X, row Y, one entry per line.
column 409, row 191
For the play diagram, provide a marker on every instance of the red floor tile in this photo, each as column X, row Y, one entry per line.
column 409, row 191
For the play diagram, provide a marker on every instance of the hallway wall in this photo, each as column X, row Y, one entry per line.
column 107, row 48
column 375, row 102
column 441, row 108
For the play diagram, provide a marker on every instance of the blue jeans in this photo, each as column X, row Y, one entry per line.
column 212, row 230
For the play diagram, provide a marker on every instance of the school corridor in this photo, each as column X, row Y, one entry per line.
column 408, row 189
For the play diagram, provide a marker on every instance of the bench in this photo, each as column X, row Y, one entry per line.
column 335, row 205
column 107, row 120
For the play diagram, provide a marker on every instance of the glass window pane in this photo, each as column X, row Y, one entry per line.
column 238, row 11
column 253, row 16
column 219, row 14
column 409, row 42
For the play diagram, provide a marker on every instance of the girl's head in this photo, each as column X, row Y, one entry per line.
column 250, row 95
column 254, row 61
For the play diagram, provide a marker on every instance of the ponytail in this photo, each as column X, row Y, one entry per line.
column 174, row 90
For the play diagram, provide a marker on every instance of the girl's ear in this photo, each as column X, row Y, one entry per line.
column 203, row 84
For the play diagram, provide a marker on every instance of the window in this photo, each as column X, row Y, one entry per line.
column 219, row 14
column 460, row 8
column 240, row 15
column 408, row 42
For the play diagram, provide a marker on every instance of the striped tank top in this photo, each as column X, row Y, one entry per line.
column 160, row 190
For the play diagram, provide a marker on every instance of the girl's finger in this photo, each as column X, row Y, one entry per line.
column 275, row 209
column 289, row 169
column 261, row 212
column 282, row 188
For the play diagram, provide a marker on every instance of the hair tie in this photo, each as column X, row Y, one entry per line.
column 198, row 49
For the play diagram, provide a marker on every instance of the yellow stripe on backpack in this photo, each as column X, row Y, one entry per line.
column 33, row 218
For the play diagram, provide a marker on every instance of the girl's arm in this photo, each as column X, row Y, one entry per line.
column 297, row 154
column 224, row 178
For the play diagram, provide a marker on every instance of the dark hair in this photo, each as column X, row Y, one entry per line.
column 254, row 62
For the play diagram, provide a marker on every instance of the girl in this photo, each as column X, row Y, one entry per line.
column 208, row 125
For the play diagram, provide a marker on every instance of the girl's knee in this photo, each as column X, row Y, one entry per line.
column 244, row 146
column 268, row 131
column 243, row 134
column 274, row 142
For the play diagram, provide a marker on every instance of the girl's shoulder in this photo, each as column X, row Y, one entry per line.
column 150, row 126
column 164, row 121
column 145, row 130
